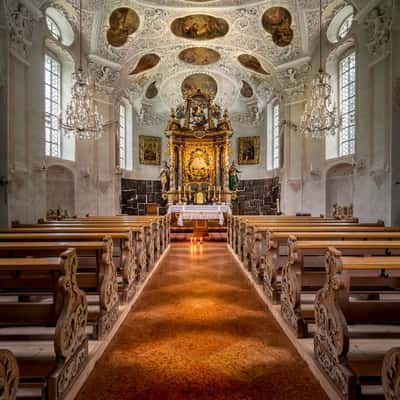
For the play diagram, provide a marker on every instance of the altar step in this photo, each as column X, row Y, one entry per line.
column 185, row 236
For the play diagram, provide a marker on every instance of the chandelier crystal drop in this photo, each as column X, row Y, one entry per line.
column 82, row 119
column 320, row 117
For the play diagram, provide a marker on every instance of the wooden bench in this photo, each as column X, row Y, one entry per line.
column 254, row 244
column 348, row 343
column 304, row 273
column 124, row 254
column 96, row 275
column 65, row 310
column 141, row 237
column 275, row 255
column 9, row 375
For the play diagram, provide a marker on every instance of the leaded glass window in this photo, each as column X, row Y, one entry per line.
column 347, row 71
column 275, row 136
column 122, row 136
column 52, row 80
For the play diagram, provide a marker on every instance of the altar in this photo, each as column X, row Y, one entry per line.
column 200, row 212
column 199, row 136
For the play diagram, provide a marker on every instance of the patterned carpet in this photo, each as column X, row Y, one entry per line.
column 199, row 331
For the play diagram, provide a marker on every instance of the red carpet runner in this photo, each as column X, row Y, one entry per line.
column 199, row 331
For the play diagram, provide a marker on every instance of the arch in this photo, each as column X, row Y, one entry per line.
column 60, row 188
column 339, row 186
column 336, row 32
column 66, row 32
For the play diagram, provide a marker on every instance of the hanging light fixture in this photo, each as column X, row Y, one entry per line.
column 82, row 118
column 320, row 117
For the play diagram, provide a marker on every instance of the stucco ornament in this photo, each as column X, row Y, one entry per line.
column 104, row 77
column 20, row 23
column 378, row 26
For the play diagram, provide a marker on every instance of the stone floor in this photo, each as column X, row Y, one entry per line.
column 200, row 331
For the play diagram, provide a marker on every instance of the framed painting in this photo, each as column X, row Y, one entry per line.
column 249, row 150
column 150, row 150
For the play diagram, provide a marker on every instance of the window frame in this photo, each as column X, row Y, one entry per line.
column 50, row 22
column 345, row 21
column 351, row 140
column 54, row 58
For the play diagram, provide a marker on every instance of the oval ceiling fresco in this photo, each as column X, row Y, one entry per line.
column 123, row 22
column 147, row 62
column 277, row 22
column 252, row 63
column 199, row 27
column 199, row 56
column 200, row 83
column 151, row 91
column 246, row 90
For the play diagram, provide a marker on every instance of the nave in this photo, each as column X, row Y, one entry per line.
column 200, row 331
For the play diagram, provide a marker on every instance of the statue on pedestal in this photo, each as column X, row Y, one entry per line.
column 233, row 177
column 165, row 177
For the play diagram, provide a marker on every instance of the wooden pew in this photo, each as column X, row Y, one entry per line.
column 9, row 375
column 305, row 273
column 276, row 248
column 67, row 345
column 341, row 349
column 141, row 238
column 97, row 275
column 253, row 243
column 124, row 260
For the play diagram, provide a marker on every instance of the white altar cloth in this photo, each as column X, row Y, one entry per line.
column 200, row 212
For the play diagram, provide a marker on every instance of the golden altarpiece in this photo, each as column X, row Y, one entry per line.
column 199, row 135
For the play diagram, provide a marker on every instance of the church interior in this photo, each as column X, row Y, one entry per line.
column 199, row 199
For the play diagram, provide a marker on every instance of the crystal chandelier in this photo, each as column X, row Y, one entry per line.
column 320, row 117
column 82, row 118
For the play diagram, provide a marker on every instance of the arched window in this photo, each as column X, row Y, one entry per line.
column 347, row 104
column 52, row 83
column 53, row 28
column 345, row 27
column 273, row 136
column 125, row 122
column 122, row 136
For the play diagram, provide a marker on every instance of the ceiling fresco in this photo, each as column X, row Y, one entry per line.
column 252, row 63
column 148, row 48
column 200, row 83
column 147, row 62
column 123, row 23
column 199, row 27
column 277, row 22
column 199, row 56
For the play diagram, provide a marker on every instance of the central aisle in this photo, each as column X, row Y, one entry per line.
column 200, row 331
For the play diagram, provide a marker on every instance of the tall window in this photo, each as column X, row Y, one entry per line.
column 347, row 98
column 275, row 136
column 122, row 136
column 52, row 80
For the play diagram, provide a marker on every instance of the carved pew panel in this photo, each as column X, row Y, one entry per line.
column 68, row 315
column 99, row 278
column 337, row 348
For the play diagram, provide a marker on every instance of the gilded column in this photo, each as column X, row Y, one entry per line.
column 173, row 164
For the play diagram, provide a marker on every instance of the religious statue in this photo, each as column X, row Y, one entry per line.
column 233, row 177
column 165, row 177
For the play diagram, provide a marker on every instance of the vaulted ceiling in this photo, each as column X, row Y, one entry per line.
column 149, row 47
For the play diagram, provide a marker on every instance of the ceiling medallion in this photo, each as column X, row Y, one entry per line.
column 147, row 62
column 199, row 56
column 199, row 27
column 252, row 63
column 277, row 22
column 123, row 22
